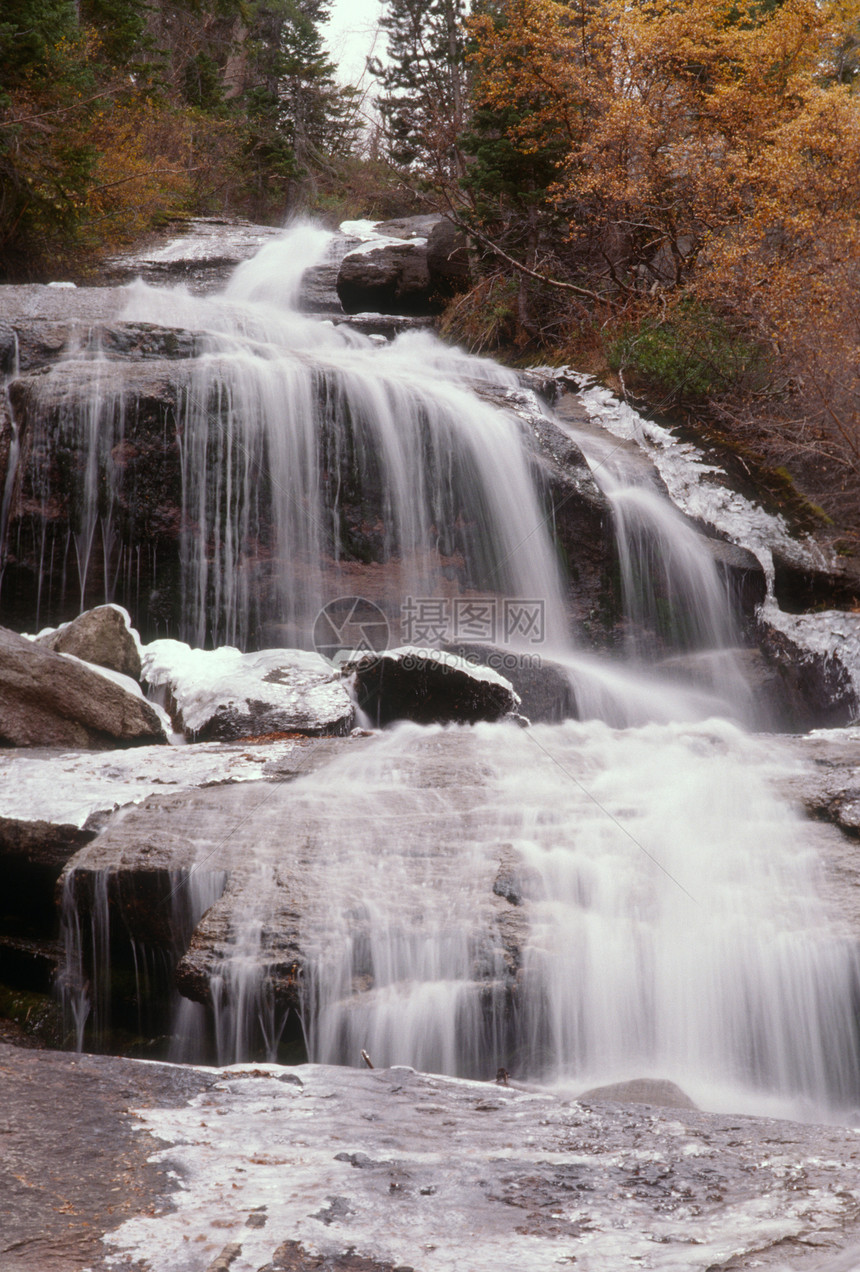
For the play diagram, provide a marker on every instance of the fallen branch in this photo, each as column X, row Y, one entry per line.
column 557, row 283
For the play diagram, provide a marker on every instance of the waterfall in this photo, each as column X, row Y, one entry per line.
column 106, row 965
column 614, row 897
column 680, row 620
column 305, row 451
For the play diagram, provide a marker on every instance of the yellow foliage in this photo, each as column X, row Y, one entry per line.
column 708, row 145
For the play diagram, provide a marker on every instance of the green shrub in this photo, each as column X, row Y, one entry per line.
column 689, row 355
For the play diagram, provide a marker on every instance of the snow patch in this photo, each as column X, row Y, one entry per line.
column 68, row 787
column 203, row 682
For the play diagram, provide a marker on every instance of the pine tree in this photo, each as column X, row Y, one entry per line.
column 298, row 114
column 423, row 81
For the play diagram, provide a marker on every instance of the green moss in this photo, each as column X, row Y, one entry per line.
column 36, row 1014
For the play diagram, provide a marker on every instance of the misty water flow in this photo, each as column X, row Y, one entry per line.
column 581, row 904
column 680, row 621
column 332, row 422
column 577, row 903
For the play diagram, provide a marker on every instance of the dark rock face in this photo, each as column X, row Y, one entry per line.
column 811, row 690
column 41, row 843
column 826, row 783
column 117, row 508
column 49, row 700
column 100, row 636
column 429, row 687
column 542, row 685
column 416, row 273
column 386, row 277
column 742, row 571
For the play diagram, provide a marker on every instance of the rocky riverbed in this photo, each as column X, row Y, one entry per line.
column 117, row 1166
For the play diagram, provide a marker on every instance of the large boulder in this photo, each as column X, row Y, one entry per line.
column 430, row 687
column 103, row 636
column 543, row 685
column 222, row 694
column 659, row 1093
column 409, row 266
column 49, row 699
column 815, row 659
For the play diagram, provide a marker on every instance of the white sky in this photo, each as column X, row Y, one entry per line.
column 352, row 34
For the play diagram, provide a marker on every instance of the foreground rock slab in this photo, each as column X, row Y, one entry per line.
column 344, row 1170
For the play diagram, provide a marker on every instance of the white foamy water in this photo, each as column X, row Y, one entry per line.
column 656, row 912
column 322, row 417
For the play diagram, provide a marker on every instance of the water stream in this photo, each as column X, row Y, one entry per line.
column 607, row 898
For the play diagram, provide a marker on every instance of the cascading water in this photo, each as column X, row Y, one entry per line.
column 680, row 620
column 305, row 450
column 590, row 903
column 641, row 925
column 91, row 947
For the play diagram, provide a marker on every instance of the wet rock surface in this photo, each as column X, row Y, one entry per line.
column 827, row 779
column 41, row 843
column 314, row 1169
column 273, row 850
column 73, row 1162
column 202, row 256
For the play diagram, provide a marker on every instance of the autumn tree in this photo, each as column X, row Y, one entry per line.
column 698, row 150
column 115, row 114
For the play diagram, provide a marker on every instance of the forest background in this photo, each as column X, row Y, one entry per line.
column 663, row 193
